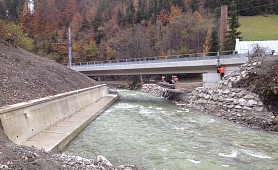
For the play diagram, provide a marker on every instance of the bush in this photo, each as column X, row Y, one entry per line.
column 14, row 35
column 27, row 44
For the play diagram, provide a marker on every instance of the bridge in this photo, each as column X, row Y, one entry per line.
column 174, row 64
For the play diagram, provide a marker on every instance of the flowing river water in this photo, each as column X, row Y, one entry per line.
column 154, row 134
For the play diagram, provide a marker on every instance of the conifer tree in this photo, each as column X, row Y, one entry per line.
column 215, row 42
column 194, row 5
column 233, row 32
column 2, row 10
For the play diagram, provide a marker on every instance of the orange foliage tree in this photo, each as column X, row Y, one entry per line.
column 163, row 17
column 24, row 17
column 77, row 22
column 53, row 17
column 70, row 10
column 37, row 18
column 175, row 11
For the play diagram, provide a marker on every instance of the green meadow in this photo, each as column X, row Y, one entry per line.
column 258, row 28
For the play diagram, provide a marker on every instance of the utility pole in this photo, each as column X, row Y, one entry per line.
column 69, row 46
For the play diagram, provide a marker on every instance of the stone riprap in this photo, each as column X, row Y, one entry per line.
column 154, row 90
column 226, row 100
column 243, row 72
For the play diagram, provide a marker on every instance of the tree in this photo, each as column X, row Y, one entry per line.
column 175, row 11
column 2, row 10
column 24, row 16
column 77, row 22
column 52, row 19
column 14, row 34
column 258, row 50
column 70, row 10
column 163, row 17
column 234, row 24
column 194, row 5
column 37, row 21
column 109, row 53
column 12, row 6
column 90, row 50
column 215, row 42
column 89, row 16
column 97, row 22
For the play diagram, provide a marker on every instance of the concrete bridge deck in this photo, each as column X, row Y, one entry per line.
column 207, row 66
column 156, row 65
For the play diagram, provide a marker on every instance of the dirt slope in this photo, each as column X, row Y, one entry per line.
column 25, row 76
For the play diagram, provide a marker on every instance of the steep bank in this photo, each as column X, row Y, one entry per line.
column 24, row 77
column 247, row 96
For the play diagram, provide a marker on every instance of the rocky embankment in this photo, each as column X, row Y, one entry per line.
column 230, row 99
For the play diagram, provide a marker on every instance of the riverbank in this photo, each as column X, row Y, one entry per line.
column 24, row 77
column 232, row 99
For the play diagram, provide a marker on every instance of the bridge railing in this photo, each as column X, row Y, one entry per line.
column 160, row 59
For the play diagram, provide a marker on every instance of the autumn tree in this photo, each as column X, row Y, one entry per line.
column 109, row 53
column 70, row 10
column 175, row 11
column 140, row 43
column 52, row 19
column 37, row 21
column 89, row 16
column 163, row 17
column 77, row 22
column 24, row 16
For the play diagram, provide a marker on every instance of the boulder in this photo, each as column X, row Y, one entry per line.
column 251, row 103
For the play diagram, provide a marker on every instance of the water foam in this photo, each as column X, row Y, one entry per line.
column 211, row 121
column 194, row 161
column 125, row 106
column 255, row 154
column 231, row 155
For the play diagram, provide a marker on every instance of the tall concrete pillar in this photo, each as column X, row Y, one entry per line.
column 223, row 26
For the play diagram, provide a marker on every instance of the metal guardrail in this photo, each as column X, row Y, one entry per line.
column 156, row 59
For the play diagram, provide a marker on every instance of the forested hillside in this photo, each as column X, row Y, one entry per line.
column 114, row 29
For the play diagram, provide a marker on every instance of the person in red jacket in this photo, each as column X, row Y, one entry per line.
column 221, row 71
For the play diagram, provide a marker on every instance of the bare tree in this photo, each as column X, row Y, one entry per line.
column 258, row 50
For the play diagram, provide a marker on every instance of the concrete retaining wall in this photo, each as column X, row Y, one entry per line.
column 22, row 121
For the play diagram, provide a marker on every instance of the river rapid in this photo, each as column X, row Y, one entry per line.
column 154, row 134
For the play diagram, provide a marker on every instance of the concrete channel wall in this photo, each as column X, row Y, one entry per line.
column 24, row 120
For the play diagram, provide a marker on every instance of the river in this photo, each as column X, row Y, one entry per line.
column 155, row 134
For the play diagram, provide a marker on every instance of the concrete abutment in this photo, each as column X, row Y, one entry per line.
column 52, row 122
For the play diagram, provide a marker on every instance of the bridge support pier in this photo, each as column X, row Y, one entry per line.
column 211, row 79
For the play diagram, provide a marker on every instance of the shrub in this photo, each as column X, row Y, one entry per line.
column 14, row 35
column 27, row 44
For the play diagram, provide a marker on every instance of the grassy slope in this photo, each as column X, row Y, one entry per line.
column 258, row 28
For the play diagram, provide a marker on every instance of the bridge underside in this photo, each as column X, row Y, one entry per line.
column 206, row 67
column 155, row 71
column 209, row 74
column 145, row 71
